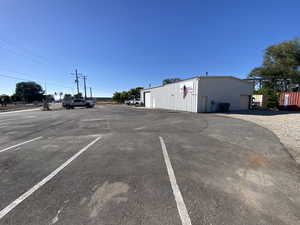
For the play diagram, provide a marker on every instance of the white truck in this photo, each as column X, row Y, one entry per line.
column 72, row 103
column 133, row 102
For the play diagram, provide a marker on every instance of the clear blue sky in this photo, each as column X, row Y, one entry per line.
column 120, row 44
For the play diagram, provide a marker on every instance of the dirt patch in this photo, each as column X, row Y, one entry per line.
column 107, row 193
column 256, row 160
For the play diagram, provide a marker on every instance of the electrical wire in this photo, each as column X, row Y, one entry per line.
column 26, row 79
column 20, row 51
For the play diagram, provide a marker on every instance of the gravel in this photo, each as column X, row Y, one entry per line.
column 286, row 125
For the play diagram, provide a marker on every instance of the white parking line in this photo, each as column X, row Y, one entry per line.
column 16, row 202
column 183, row 213
column 18, row 111
column 25, row 142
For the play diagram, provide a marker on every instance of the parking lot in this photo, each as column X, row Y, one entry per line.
column 122, row 165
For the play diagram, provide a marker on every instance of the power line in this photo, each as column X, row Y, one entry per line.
column 27, row 79
column 49, row 83
column 12, row 77
column 21, row 51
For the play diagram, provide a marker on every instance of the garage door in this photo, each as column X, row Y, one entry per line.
column 147, row 99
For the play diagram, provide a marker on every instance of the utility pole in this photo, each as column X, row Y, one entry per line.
column 84, row 79
column 46, row 105
column 76, row 79
column 91, row 92
column 45, row 88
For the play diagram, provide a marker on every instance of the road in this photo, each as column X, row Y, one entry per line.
column 122, row 165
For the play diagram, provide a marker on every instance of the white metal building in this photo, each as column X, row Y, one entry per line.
column 200, row 94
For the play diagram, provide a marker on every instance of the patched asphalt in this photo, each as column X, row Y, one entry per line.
column 229, row 171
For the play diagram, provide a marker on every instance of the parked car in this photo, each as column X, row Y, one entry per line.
column 72, row 103
column 133, row 102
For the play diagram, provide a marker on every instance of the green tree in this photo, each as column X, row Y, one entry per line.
column 135, row 93
column 117, row 97
column 121, row 97
column 170, row 80
column 15, row 98
column 4, row 99
column 279, row 71
column 60, row 95
column 280, row 67
column 124, row 96
column 79, row 95
column 50, row 98
column 29, row 91
column 67, row 97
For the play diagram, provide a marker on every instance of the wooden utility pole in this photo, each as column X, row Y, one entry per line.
column 77, row 79
column 91, row 92
column 84, row 82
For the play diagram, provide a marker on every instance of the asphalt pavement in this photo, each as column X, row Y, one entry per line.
column 123, row 165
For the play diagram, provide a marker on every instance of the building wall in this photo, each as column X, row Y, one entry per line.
column 174, row 96
column 223, row 89
column 203, row 94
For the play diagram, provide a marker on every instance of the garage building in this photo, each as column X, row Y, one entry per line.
column 200, row 94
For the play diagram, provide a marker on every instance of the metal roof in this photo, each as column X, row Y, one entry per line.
column 199, row 77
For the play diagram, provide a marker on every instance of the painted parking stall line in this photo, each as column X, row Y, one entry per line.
column 22, row 143
column 20, row 199
column 20, row 111
column 183, row 213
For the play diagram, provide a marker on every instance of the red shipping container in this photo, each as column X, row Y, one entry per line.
column 289, row 101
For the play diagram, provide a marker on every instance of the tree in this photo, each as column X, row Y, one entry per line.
column 60, row 95
column 171, row 80
column 4, row 99
column 279, row 71
column 67, row 97
column 280, row 67
column 135, row 93
column 117, row 97
column 15, row 98
column 124, row 96
column 29, row 91
column 50, row 98
column 121, row 97
column 79, row 95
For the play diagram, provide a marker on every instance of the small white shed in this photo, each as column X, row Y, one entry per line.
column 200, row 94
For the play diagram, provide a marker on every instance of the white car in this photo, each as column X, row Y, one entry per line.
column 133, row 102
